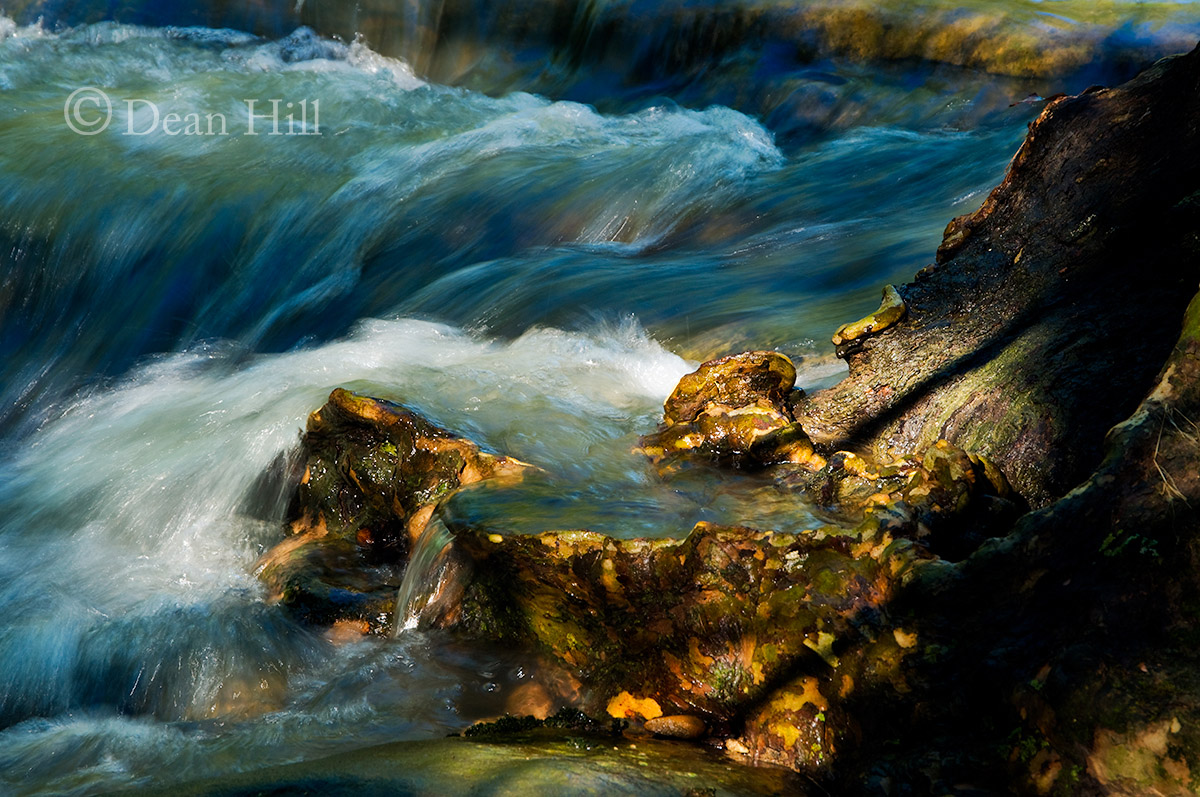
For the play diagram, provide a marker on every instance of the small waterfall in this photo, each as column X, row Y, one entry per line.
column 433, row 580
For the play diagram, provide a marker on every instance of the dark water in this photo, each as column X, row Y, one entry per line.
column 529, row 237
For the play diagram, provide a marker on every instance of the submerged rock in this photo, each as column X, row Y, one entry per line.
column 536, row 762
column 736, row 408
column 373, row 473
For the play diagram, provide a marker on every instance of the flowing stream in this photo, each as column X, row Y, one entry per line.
column 528, row 235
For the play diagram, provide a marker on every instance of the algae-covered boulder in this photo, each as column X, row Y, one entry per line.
column 737, row 408
column 755, row 634
column 705, row 627
column 373, row 473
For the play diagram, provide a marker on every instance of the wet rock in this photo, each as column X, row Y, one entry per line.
column 373, row 473
column 795, row 715
column 327, row 580
column 375, row 470
column 738, row 380
column 677, row 726
column 735, row 409
column 701, row 626
column 748, row 631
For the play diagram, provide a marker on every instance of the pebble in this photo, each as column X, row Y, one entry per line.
column 678, row 726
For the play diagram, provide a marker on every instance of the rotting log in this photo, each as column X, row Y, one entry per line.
column 1050, row 308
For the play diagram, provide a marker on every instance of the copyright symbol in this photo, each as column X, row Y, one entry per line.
column 88, row 111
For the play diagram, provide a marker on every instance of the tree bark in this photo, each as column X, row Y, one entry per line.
column 1051, row 307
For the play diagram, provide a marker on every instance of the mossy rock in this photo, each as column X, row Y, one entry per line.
column 722, row 624
column 373, row 474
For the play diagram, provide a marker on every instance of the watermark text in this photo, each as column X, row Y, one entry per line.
column 89, row 111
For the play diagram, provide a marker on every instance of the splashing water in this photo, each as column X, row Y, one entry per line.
column 425, row 579
column 133, row 521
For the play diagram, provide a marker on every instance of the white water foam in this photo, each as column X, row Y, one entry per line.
column 127, row 509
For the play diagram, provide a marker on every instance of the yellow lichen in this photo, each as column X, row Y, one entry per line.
column 823, row 647
column 810, row 693
column 891, row 309
column 696, row 656
column 790, row 734
column 626, row 705
column 756, row 672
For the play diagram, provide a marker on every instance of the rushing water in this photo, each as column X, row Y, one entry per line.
column 533, row 266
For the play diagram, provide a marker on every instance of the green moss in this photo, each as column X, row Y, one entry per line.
column 567, row 719
column 505, row 726
column 489, row 610
column 730, row 681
